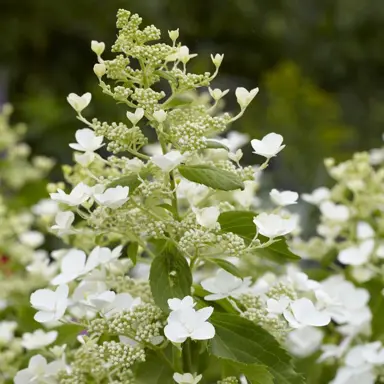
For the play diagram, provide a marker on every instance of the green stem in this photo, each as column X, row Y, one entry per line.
column 187, row 357
column 165, row 358
column 171, row 180
column 176, row 357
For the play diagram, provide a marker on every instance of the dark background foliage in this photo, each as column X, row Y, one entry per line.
column 319, row 65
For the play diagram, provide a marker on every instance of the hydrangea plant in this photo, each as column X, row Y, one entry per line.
column 23, row 265
column 166, row 276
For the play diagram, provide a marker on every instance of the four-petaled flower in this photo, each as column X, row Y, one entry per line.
column 79, row 195
column 113, row 197
column 38, row 339
column 87, row 141
column 302, row 312
column 39, row 371
column 283, row 198
column 186, row 323
column 225, row 285
column 271, row 225
column 269, row 146
column 207, row 217
column 168, row 161
column 50, row 304
column 63, row 222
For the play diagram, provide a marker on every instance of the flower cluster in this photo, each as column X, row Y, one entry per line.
column 151, row 280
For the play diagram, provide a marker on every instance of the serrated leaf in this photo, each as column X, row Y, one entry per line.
column 170, row 276
column 241, row 223
column 153, row 371
column 132, row 251
column 226, row 265
column 213, row 177
column 242, row 341
column 131, row 181
column 255, row 373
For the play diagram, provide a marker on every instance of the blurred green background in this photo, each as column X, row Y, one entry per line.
column 319, row 65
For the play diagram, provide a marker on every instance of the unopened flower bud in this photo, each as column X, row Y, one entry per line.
column 174, row 35
column 99, row 70
column 160, row 115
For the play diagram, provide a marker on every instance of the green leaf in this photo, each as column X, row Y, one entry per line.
column 168, row 207
column 215, row 144
column 242, row 341
column 166, row 75
column 255, row 373
column 131, row 181
column 211, row 177
column 132, row 251
column 153, row 371
column 241, row 223
column 226, row 265
column 238, row 222
column 170, row 276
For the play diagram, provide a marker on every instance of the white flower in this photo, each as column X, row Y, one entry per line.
column 357, row 255
column 283, row 198
column 189, row 323
column 174, row 35
column 191, row 191
column 304, row 341
column 45, row 207
column 376, row 156
column 186, row 378
column 364, row 231
column 207, row 217
column 101, row 300
column 38, row 339
column 39, row 371
column 97, row 47
column 269, row 146
column 87, row 141
column 75, row 263
column 135, row 117
column 50, row 304
column 41, row 265
column 99, row 69
column 32, row 239
column 332, row 211
column 79, row 195
column 78, row 103
column 300, row 280
column 277, row 307
column 177, row 304
column 303, row 312
column 217, row 59
column 334, row 351
column 235, row 140
column 225, row 285
column 247, row 197
column 351, row 375
column 271, row 225
column 346, row 302
column 168, row 161
column 84, row 159
column 122, row 302
column 182, row 54
column 113, row 197
column 244, row 97
column 63, row 222
column 217, row 93
column 7, row 329
column 236, row 157
column 160, row 115
column 317, row 196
